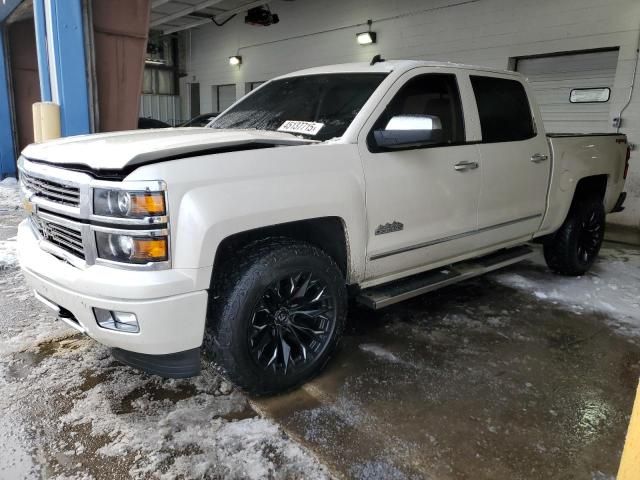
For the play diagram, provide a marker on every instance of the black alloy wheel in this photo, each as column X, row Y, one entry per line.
column 573, row 249
column 292, row 324
column 590, row 238
column 277, row 312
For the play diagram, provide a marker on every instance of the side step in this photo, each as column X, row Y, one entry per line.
column 405, row 288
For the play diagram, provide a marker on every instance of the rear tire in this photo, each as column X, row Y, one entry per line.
column 276, row 315
column 574, row 247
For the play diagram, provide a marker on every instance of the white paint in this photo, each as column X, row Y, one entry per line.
column 489, row 32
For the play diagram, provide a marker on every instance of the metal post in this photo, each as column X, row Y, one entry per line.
column 67, row 64
column 39, row 20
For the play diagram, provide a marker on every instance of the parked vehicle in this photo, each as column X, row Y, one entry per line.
column 148, row 122
column 200, row 120
column 246, row 239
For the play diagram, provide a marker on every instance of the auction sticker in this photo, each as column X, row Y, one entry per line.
column 307, row 128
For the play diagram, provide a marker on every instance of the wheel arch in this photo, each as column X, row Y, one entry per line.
column 591, row 186
column 327, row 233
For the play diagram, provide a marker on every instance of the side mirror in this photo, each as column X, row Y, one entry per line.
column 410, row 131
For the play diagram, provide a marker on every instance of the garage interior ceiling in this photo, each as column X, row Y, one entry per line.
column 170, row 16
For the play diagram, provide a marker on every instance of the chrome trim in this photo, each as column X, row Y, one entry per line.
column 46, row 302
column 86, row 184
column 430, row 243
column 56, row 251
column 84, row 214
column 132, row 186
column 89, row 241
column 72, row 324
column 539, row 157
column 131, row 221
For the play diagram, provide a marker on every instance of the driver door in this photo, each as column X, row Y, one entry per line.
column 422, row 198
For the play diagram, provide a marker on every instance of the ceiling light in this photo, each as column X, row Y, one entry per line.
column 235, row 60
column 366, row 38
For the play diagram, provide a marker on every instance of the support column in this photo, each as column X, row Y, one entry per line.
column 7, row 147
column 65, row 41
column 39, row 19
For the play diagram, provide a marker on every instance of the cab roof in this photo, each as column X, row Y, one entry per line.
column 388, row 66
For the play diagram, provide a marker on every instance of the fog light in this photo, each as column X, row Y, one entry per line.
column 120, row 321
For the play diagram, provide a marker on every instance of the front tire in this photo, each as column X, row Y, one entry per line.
column 574, row 247
column 276, row 315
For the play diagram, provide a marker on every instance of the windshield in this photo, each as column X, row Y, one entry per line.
column 320, row 107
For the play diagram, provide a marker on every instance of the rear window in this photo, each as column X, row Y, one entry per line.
column 505, row 114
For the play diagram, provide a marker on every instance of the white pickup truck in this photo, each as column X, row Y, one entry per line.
column 246, row 239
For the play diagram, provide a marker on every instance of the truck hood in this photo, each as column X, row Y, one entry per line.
column 117, row 150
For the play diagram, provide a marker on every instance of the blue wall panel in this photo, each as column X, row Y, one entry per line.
column 67, row 65
column 7, row 148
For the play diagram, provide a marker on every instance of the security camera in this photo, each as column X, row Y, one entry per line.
column 261, row 16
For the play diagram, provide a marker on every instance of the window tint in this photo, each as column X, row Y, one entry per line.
column 434, row 94
column 505, row 115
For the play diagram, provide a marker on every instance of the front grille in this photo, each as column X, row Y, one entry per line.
column 67, row 238
column 51, row 190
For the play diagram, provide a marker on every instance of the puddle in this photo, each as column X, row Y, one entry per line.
column 156, row 392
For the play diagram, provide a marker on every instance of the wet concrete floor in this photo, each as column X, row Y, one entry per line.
column 477, row 381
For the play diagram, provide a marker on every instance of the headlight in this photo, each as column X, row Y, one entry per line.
column 122, row 203
column 131, row 248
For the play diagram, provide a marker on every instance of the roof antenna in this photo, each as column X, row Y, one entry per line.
column 377, row 59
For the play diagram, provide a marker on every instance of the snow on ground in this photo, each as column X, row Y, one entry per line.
column 70, row 411
column 611, row 287
column 380, row 352
column 9, row 204
column 9, row 194
column 8, row 257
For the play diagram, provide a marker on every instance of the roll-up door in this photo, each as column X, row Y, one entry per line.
column 590, row 75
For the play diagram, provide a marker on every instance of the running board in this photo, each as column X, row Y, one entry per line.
column 403, row 289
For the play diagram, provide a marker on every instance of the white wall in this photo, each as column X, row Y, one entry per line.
column 485, row 32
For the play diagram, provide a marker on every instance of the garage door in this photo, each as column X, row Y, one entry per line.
column 554, row 77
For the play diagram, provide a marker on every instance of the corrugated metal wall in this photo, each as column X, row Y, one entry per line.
column 162, row 107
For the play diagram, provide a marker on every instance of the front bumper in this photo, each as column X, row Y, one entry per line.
column 170, row 314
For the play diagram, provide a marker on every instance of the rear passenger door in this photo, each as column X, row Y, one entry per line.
column 515, row 161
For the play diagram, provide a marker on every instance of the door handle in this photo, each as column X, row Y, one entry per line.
column 464, row 166
column 539, row 157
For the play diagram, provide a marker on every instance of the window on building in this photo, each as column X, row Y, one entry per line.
column 253, row 85
column 590, row 95
column 505, row 114
column 160, row 69
column 435, row 95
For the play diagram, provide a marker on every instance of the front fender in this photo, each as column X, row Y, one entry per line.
column 215, row 196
